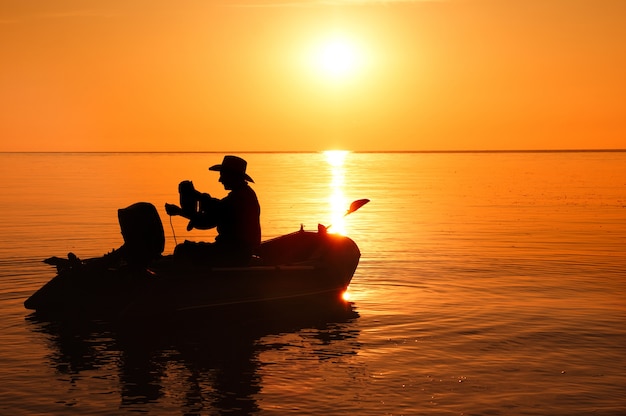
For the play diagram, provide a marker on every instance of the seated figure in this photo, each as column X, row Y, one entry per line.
column 236, row 217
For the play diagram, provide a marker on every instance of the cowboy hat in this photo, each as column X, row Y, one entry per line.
column 233, row 164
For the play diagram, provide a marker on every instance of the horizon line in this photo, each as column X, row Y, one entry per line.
column 313, row 151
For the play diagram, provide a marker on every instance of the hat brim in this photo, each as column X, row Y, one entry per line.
column 218, row 168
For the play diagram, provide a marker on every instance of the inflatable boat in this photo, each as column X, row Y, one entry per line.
column 137, row 280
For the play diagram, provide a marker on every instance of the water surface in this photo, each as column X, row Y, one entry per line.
column 489, row 284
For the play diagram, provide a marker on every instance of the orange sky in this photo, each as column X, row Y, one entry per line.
column 198, row 75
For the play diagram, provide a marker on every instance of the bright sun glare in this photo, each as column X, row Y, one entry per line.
column 335, row 157
column 337, row 58
column 337, row 199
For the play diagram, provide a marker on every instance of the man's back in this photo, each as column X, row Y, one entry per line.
column 239, row 225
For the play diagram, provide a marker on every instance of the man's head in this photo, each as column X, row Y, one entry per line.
column 232, row 171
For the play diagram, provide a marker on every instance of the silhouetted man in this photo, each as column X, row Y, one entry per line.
column 236, row 217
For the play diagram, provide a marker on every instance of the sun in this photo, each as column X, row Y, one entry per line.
column 337, row 58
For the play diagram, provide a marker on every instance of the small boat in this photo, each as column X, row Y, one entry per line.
column 138, row 281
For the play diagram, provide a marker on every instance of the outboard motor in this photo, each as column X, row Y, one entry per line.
column 142, row 229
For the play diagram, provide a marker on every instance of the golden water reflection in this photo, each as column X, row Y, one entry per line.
column 337, row 198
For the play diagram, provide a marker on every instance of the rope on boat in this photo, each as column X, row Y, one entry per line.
column 173, row 232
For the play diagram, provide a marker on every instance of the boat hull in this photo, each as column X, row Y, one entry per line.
column 297, row 267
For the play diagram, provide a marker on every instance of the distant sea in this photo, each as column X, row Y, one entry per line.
column 490, row 283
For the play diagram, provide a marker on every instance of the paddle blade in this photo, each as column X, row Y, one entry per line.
column 356, row 205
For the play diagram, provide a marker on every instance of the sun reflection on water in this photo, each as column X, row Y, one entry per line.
column 337, row 198
column 336, row 158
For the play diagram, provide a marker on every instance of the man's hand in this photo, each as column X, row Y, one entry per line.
column 172, row 209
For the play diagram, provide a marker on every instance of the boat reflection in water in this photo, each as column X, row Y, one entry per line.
column 196, row 363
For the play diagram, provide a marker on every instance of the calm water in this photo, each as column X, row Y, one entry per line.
column 490, row 284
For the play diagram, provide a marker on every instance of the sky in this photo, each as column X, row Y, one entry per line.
column 249, row 75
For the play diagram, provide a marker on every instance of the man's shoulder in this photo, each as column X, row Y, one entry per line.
column 242, row 192
column 250, row 194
